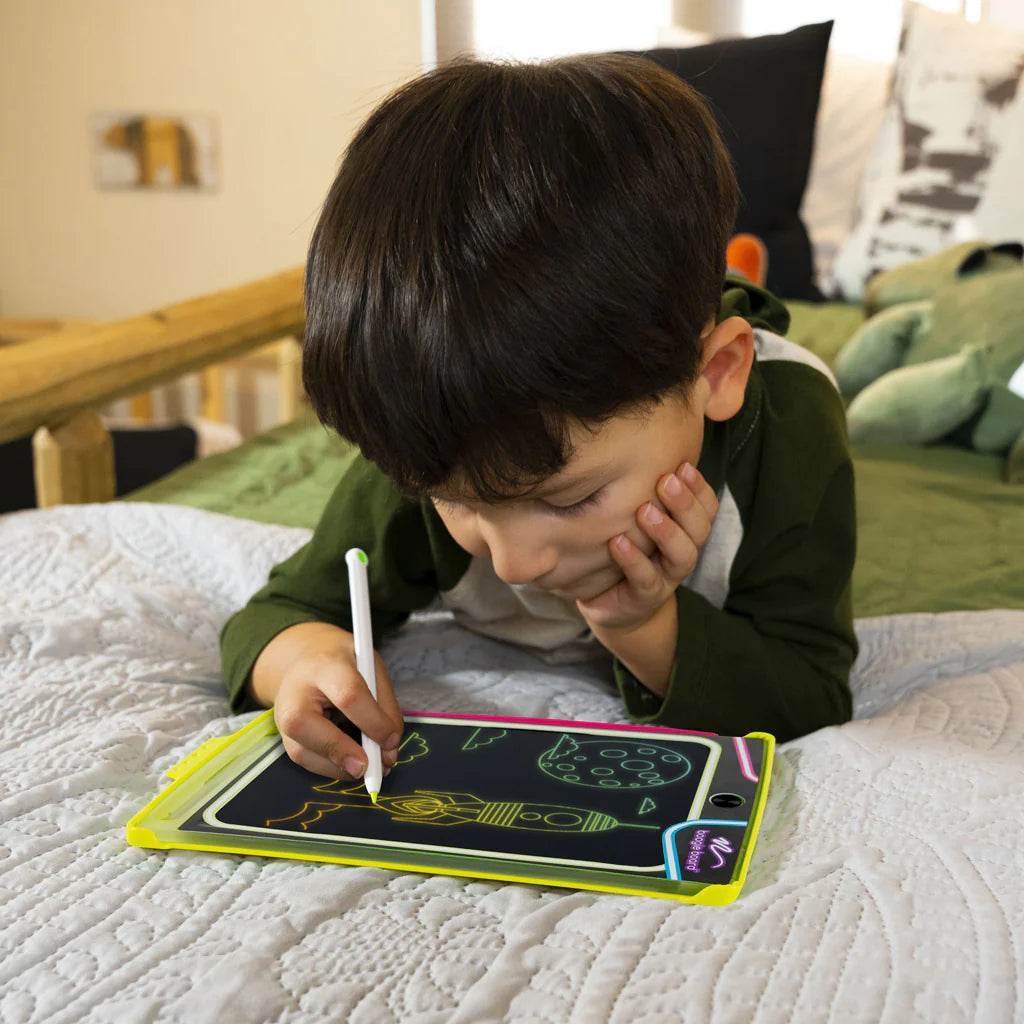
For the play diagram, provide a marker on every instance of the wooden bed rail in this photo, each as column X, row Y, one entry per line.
column 52, row 384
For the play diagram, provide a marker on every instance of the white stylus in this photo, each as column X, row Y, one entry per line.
column 359, row 595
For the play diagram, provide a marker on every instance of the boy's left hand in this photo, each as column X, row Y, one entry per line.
column 679, row 532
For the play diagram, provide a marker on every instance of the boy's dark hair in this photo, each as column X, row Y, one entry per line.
column 509, row 249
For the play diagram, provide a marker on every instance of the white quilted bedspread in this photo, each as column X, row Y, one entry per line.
column 887, row 884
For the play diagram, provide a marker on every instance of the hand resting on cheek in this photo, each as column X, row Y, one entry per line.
column 674, row 525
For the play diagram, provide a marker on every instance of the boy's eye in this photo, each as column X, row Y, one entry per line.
column 576, row 507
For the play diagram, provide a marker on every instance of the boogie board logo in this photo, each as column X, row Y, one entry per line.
column 716, row 846
column 703, row 849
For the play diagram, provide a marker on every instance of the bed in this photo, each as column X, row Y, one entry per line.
column 886, row 884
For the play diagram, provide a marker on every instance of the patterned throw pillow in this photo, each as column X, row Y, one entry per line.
column 948, row 162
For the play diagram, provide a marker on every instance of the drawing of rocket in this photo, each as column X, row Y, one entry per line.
column 429, row 807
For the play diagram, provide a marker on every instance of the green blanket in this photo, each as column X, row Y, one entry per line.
column 937, row 528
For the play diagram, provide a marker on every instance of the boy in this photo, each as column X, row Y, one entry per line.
column 515, row 309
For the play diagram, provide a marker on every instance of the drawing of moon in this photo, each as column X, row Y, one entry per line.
column 613, row 763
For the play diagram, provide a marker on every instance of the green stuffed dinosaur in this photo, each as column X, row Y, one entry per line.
column 942, row 358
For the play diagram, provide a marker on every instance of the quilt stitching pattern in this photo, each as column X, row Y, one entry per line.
column 886, row 883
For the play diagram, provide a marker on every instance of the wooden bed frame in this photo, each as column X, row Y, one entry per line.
column 54, row 376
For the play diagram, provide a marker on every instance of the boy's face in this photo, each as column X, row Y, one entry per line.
column 557, row 537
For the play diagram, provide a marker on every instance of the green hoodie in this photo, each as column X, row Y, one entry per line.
column 765, row 640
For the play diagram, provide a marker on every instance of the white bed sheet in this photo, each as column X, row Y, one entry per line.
column 886, row 886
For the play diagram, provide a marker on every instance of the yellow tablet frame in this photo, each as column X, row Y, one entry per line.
column 156, row 826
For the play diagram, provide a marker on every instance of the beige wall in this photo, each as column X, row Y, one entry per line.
column 288, row 81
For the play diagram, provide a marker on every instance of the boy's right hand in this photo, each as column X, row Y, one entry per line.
column 308, row 673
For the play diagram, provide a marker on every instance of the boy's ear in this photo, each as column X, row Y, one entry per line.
column 727, row 359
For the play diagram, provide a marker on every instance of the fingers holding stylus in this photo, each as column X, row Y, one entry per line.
column 316, row 743
column 387, row 703
column 380, row 719
column 305, row 709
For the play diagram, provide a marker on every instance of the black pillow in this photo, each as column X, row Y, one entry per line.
column 764, row 93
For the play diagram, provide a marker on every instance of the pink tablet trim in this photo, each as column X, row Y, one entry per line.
column 743, row 756
column 566, row 722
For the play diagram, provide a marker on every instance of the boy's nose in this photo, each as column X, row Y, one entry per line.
column 518, row 563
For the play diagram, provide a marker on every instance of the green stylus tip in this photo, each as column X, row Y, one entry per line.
column 362, row 557
column 373, row 797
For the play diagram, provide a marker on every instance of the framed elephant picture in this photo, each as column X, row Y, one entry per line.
column 135, row 150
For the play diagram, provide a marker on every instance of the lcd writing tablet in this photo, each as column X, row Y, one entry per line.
column 628, row 809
